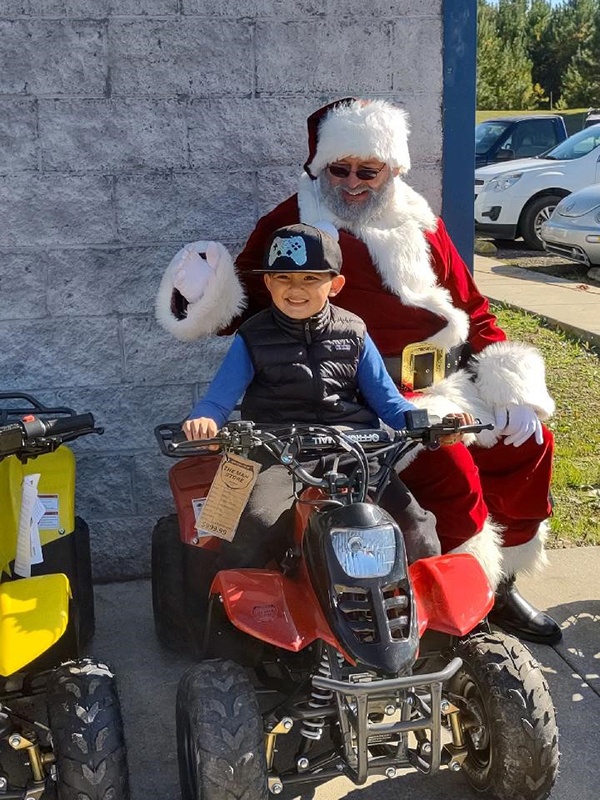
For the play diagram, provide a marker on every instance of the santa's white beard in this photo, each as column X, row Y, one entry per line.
column 363, row 213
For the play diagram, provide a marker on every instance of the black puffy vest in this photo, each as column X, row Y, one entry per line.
column 305, row 370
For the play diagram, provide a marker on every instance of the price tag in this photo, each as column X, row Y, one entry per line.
column 227, row 497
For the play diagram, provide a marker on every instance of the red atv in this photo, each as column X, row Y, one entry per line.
column 341, row 659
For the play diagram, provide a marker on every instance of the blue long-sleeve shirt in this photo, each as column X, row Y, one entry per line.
column 236, row 372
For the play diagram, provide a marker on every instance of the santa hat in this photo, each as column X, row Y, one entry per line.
column 360, row 129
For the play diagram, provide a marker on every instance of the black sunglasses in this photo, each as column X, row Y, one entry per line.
column 362, row 173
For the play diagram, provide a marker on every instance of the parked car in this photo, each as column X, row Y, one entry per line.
column 573, row 230
column 592, row 117
column 515, row 199
column 507, row 138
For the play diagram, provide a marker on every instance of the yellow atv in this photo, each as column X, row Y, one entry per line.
column 61, row 733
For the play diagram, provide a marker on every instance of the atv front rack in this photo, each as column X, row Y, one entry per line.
column 421, row 712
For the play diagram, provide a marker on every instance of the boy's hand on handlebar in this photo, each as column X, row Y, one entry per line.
column 453, row 438
column 200, row 428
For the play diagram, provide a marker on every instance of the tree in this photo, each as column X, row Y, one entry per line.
column 581, row 84
column 504, row 69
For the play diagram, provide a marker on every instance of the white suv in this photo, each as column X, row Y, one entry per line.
column 516, row 198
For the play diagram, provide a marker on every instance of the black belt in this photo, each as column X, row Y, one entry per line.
column 421, row 365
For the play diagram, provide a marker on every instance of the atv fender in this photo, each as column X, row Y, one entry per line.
column 452, row 593
column 273, row 608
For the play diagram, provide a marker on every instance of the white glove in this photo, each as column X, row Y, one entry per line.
column 517, row 424
column 192, row 268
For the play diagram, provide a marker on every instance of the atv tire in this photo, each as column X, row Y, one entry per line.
column 168, row 592
column 83, row 590
column 508, row 718
column 87, row 732
column 220, row 741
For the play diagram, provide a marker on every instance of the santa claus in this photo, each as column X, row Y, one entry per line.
column 440, row 342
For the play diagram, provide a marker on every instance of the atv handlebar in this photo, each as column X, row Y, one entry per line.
column 243, row 435
column 288, row 443
column 32, row 436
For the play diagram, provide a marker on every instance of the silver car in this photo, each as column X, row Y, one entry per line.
column 573, row 230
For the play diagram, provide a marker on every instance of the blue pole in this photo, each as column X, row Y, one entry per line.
column 458, row 122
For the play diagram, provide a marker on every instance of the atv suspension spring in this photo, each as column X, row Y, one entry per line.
column 320, row 698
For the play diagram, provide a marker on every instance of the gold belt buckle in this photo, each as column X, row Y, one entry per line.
column 422, row 366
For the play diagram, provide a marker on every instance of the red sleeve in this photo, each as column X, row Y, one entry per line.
column 453, row 274
column 251, row 258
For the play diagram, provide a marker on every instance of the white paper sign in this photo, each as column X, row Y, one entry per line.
column 29, row 550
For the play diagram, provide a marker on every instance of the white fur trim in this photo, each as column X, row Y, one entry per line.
column 222, row 300
column 513, row 372
column 529, row 558
column 399, row 251
column 363, row 129
column 486, row 547
column 459, row 393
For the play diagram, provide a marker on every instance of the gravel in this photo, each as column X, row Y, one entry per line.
column 515, row 253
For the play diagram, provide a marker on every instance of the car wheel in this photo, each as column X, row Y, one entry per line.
column 534, row 216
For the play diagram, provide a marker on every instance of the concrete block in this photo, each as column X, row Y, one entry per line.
column 417, row 55
column 275, row 185
column 60, row 209
column 425, row 119
column 154, row 357
column 14, row 8
column 121, row 547
column 389, row 9
column 151, row 481
column 194, row 57
column 54, row 57
column 104, row 486
column 50, row 353
column 339, row 50
column 113, row 135
column 256, row 8
column 18, row 137
column 103, row 281
column 99, row 9
column 22, row 286
column 127, row 413
column 188, row 207
column 248, row 132
column 426, row 179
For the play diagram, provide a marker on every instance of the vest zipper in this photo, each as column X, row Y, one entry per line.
column 314, row 364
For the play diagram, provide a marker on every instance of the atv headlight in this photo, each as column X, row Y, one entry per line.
column 503, row 182
column 365, row 553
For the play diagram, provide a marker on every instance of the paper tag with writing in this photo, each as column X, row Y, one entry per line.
column 29, row 499
column 227, row 497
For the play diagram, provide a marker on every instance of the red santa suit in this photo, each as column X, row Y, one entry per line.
column 405, row 278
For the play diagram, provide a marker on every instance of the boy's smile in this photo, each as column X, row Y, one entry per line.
column 299, row 295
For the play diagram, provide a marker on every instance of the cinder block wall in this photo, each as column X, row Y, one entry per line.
column 129, row 127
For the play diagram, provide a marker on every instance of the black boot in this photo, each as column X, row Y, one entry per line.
column 515, row 615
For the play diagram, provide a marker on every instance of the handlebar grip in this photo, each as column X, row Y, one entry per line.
column 59, row 426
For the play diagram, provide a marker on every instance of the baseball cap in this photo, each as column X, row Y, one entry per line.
column 302, row 248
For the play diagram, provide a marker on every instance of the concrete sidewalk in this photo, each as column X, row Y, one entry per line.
column 571, row 306
column 148, row 679
column 569, row 589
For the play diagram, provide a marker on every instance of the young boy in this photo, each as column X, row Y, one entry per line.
column 304, row 361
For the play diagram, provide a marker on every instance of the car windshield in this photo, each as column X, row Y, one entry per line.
column 576, row 146
column 488, row 133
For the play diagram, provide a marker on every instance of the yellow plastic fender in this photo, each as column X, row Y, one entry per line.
column 33, row 616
